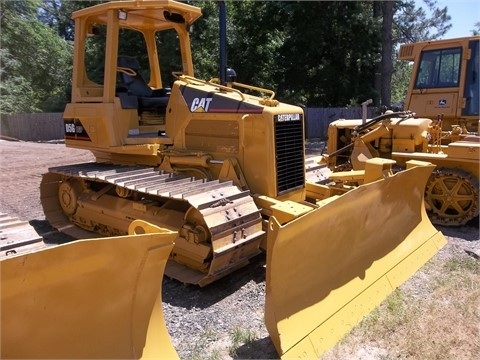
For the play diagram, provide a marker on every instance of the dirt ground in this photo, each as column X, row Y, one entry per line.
column 203, row 322
column 22, row 165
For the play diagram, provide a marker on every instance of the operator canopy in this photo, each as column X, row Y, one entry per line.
column 142, row 14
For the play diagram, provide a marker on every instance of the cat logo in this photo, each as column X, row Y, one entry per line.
column 200, row 104
column 442, row 102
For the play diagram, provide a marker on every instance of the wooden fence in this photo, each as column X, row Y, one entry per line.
column 32, row 127
column 318, row 119
column 49, row 126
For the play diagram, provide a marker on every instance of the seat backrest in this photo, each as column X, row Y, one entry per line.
column 136, row 85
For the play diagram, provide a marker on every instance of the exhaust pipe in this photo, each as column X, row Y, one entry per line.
column 222, row 13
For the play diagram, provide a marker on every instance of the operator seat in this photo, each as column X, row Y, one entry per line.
column 135, row 85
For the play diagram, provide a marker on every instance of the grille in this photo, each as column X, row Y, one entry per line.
column 406, row 51
column 289, row 150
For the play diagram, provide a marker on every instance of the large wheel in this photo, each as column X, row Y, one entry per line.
column 68, row 193
column 452, row 196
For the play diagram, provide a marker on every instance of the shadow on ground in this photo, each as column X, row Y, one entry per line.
column 252, row 349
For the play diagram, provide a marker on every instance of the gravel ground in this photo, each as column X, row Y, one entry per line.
column 210, row 322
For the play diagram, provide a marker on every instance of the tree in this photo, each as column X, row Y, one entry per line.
column 35, row 62
column 400, row 82
column 476, row 30
column 255, row 39
column 313, row 53
column 413, row 24
column 252, row 41
column 329, row 54
column 383, row 78
column 330, row 60
column 57, row 15
column 204, row 41
column 403, row 22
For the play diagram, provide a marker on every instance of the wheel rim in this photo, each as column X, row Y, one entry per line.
column 453, row 199
column 68, row 197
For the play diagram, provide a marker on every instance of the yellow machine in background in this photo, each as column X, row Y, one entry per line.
column 222, row 165
column 442, row 128
column 444, row 84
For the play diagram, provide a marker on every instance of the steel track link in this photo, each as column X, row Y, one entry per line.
column 17, row 236
column 233, row 220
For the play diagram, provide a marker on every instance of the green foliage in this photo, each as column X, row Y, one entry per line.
column 311, row 53
column 35, row 62
column 476, row 30
column 254, row 40
column 332, row 58
column 415, row 24
column 16, row 92
column 400, row 81
column 412, row 24
column 204, row 41
column 314, row 53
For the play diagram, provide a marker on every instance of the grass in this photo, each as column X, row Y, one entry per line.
column 435, row 316
column 198, row 352
column 441, row 321
column 240, row 336
column 212, row 346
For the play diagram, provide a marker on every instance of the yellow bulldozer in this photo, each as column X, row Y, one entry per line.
column 440, row 127
column 444, row 84
column 88, row 299
column 197, row 177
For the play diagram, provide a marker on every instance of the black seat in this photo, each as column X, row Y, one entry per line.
column 133, row 82
column 135, row 85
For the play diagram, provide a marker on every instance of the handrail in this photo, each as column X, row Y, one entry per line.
column 250, row 87
column 269, row 101
column 256, row 88
column 225, row 88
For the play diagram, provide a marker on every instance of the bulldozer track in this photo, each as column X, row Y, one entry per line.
column 233, row 220
column 17, row 236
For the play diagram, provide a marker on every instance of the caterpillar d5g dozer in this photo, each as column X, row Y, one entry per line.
column 442, row 128
column 222, row 164
column 97, row 298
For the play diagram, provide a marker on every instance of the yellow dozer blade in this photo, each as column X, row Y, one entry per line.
column 96, row 298
column 328, row 269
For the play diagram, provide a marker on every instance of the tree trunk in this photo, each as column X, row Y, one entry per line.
column 383, row 75
column 387, row 51
column 377, row 13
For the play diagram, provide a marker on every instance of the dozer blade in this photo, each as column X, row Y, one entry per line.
column 88, row 299
column 328, row 269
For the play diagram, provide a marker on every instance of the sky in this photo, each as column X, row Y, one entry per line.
column 464, row 13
